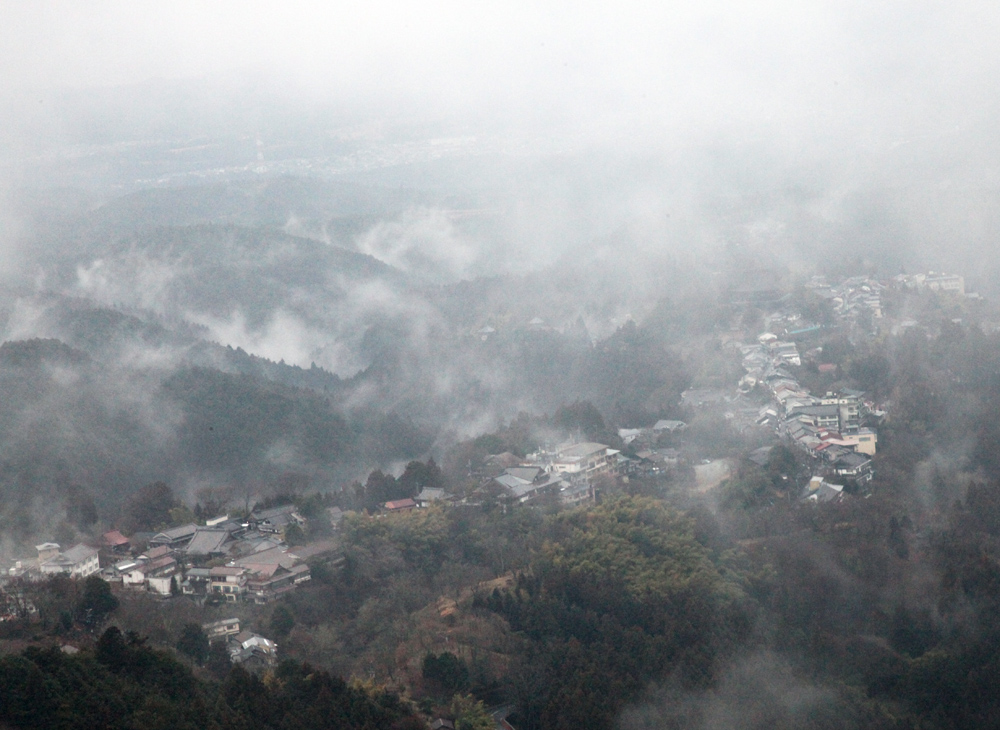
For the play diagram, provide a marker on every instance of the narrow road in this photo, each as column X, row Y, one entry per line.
column 499, row 715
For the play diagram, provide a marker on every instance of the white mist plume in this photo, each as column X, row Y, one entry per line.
column 424, row 243
column 284, row 337
column 761, row 692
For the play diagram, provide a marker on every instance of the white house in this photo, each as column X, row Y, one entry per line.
column 228, row 582
column 78, row 562
column 586, row 459
column 154, row 574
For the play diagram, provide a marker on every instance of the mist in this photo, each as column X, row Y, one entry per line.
column 335, row 257
column 191, row 166
column 759, row 691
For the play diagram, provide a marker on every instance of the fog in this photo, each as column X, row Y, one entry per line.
column 882, row 74
column 669, row 145
column 826, row 80
column 757, row 692
column 595, row 159
column 248, row 247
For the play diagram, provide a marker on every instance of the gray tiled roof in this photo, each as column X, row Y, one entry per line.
column 79, row 553
column 207, row 541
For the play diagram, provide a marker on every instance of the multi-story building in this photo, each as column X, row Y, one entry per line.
column 849, row 411
column 78, row 562
column 585, row 460
column 229, row 582
column 854, row 468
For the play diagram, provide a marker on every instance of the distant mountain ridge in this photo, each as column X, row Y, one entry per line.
column 267, row 202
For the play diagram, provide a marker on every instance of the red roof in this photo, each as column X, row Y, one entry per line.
column 400, row 504
column 114, row 538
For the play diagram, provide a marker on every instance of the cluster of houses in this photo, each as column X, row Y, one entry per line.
column 856, row 296
column 652, row 455
column 251, row 650
column 863, row 294
column 226, row 560
column 565, row 473
column 852, row 296
column 768, row 356
column 830, row 428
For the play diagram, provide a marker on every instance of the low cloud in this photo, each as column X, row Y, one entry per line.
column 762, row 692
column 283, row 338
column 424, row 243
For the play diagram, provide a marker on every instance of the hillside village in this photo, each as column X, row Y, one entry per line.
column 789, row 393
column 469, row 366
column 224, row 561
column 836, row 429
column 230, row 560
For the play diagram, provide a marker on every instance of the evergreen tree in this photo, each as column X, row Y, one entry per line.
column 194, row 643
column 282, row 621
column 218, row 662
column 96, row 602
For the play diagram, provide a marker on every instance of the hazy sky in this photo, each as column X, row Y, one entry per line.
column 873, row 122
column 874, row 72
